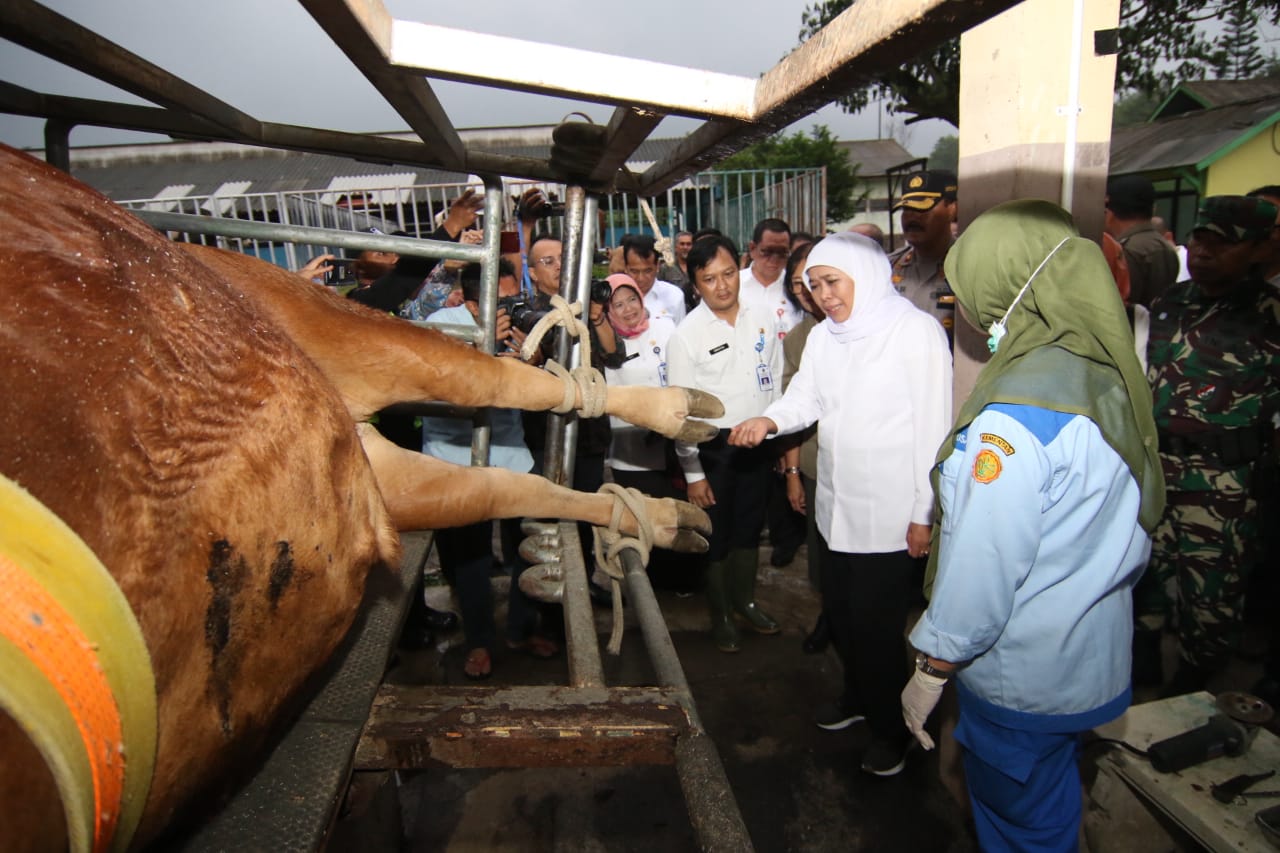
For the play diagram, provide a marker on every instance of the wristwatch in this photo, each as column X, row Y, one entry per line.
column 922, row 664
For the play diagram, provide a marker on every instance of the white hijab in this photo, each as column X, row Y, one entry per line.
column 876, row 304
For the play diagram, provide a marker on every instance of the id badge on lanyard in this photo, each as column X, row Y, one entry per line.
column 764, row 377
column 662, row 367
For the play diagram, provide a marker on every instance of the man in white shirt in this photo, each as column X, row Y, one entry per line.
column 762, row 283
column 640, row 260
column 727, row 349
column 764, row 286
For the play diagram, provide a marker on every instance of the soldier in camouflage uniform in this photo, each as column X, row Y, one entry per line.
column 1214, row 356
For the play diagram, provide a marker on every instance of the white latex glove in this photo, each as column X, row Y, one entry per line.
column 919, row 698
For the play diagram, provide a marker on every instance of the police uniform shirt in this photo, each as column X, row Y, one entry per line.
column 664, row 299
column 741, row 364
column 772, row 299
column 920, row 280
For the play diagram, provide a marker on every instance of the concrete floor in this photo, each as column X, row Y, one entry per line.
column 798, row 787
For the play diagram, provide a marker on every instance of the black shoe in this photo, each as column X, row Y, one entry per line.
column 833, row 717
column 782, row 557
column 599, row 595
column 416, row 639
column 886, row 757
column 443, row 621
column 819, row 638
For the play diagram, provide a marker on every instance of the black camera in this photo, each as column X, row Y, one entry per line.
column 524, row 316
column 549, row 208
column 601, row 290
column 521, row 313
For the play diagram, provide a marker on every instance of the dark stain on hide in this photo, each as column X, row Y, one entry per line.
column 281, row 573
column 227, row 575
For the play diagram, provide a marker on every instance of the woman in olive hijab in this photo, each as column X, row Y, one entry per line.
column 1048, row 488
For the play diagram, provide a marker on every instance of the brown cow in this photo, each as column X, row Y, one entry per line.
column 198, row 418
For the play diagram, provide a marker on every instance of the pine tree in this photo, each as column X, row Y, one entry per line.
column 1239, row 57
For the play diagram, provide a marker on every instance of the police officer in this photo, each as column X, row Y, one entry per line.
column 1214, row 356
column 928, row 207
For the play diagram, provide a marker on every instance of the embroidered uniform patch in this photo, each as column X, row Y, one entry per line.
column 992, row 438
column 986, row 467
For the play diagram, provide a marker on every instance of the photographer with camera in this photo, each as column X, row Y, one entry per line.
column 594, row 434
column 466, row 553
column 401, row 276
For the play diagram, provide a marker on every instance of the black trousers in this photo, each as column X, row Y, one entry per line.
column 466, row 560
column 739, row 479
column 866, row 597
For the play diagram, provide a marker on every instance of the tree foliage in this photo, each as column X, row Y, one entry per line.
column 801, row 151
column 946, row 153
column 1238, row 56
column 1162, row 42
column 1135, row 108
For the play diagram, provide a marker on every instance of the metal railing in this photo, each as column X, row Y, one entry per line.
column 730, row 201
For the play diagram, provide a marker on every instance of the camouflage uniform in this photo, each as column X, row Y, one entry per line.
column 1215, row 373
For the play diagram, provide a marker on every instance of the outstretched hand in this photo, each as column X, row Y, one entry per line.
column 315, row 269
column 751, row 432
column 463, row 212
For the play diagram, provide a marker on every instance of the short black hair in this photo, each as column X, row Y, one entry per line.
column 538, row 238
column 704, row 251
column 1269, row 191
column 771, row 224
column 640, row 245
column 470, row 277
column 1131, row 196
column 706, row 232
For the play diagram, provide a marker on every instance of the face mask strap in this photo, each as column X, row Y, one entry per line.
column 999, row 328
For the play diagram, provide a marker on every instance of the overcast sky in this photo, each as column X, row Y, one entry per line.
column 271, row 60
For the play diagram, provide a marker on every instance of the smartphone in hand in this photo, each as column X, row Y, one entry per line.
column 341, row 271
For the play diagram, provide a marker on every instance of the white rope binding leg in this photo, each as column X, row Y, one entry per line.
column 608, row 546
column 584, row 380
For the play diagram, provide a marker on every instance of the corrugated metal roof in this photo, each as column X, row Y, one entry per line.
column 209, row 166
column 875, row 156
column 1184, row 140
column 267, row 170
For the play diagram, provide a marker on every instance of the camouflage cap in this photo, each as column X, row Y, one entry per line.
column 1236, row 217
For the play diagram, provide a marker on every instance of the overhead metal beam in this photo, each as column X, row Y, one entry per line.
column 20, row 101
column 566, row 72
column 362, row 30
column 869, row 36
column 44, row 31
column 628, row 129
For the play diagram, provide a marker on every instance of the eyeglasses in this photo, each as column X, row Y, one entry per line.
column 775, row 252
column 548, row 261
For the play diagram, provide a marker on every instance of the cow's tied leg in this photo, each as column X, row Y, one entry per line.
column 422, row 492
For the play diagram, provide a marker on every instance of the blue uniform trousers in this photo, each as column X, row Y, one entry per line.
column 1024, row 786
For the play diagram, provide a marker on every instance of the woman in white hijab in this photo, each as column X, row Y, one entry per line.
column 876, row 378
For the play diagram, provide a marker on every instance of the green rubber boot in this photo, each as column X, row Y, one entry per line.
column 723, row 632
column 743, row 565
